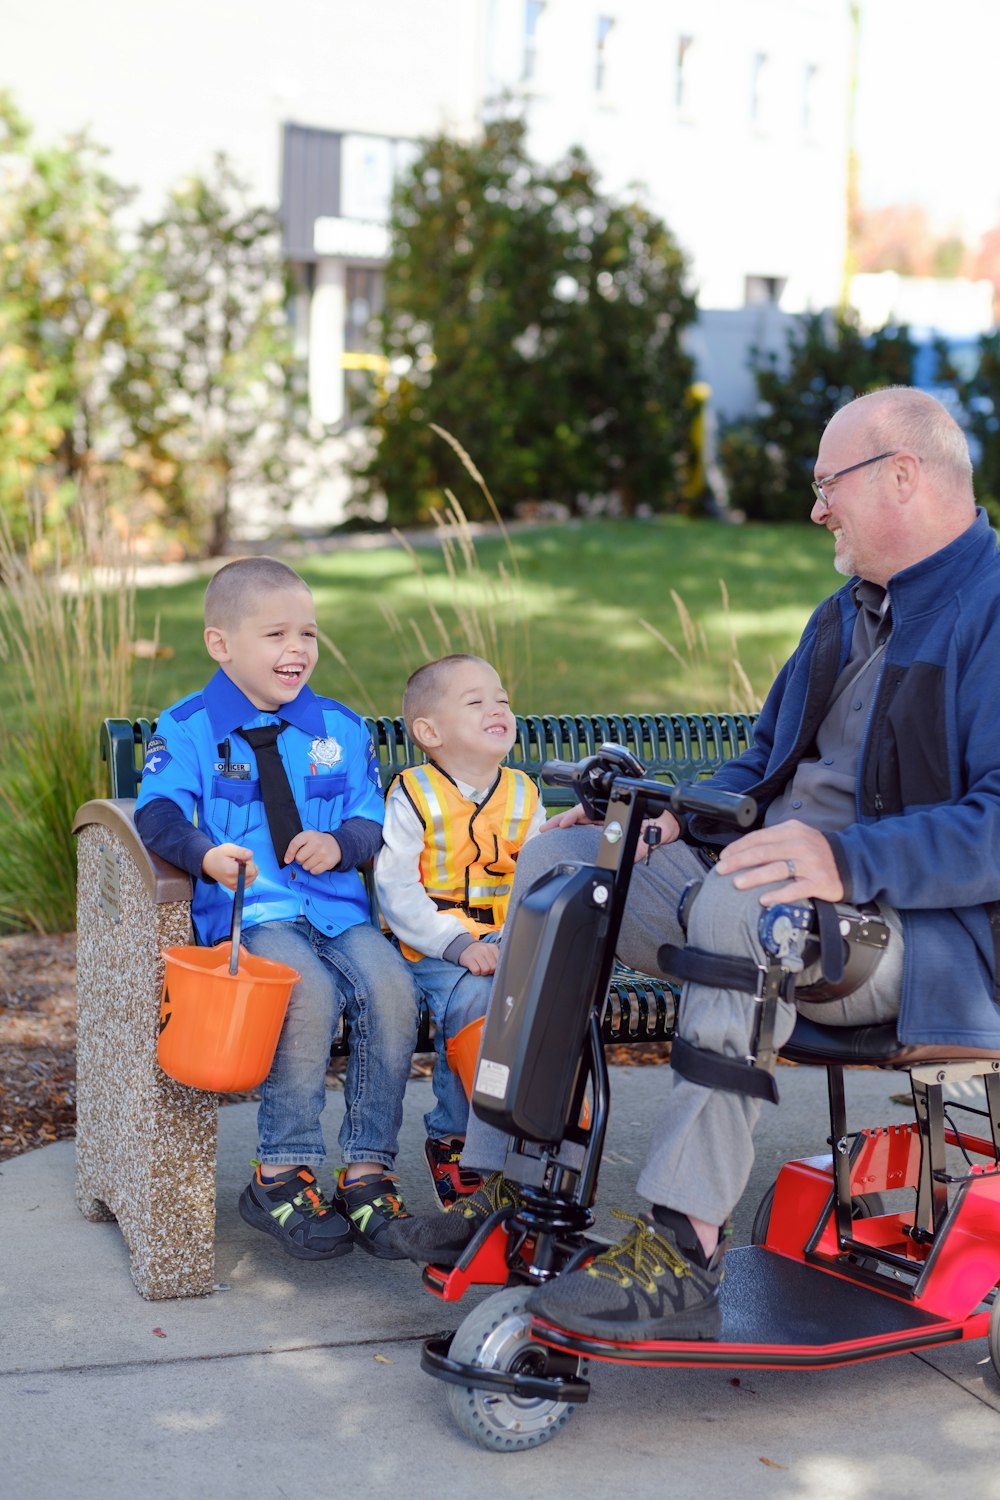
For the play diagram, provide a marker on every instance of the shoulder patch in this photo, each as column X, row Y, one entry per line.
column 374, row 775
column 157, row 756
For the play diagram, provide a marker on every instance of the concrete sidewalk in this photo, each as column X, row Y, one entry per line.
column 302, row 1380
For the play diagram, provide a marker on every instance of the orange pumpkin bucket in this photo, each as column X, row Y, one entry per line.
column 462, row 1053
column 221, row 1012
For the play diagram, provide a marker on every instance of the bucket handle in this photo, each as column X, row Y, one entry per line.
column 235, row 930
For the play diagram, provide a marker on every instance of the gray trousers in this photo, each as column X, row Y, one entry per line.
column 701, row 1150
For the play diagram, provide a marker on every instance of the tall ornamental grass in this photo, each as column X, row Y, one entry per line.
column 66, row 635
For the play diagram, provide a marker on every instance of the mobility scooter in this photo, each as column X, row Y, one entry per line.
column 890, row 1243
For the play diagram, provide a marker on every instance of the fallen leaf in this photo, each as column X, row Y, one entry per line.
column 772, row 1465
column 159, row 1333
column 381, row 1359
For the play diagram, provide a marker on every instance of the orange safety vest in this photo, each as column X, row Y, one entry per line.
column 467, row 862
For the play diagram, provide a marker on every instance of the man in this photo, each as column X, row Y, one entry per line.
column 876, row 771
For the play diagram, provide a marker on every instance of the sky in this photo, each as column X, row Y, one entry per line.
column 927, row 108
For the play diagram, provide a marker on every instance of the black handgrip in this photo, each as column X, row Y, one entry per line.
column 726, row 807
column 561, row 772
column 237, row 927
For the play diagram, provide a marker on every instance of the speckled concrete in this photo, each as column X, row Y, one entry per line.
column 146, row 1146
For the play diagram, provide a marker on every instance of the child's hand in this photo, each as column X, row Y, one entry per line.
column 315, row 852
column 480, row 958
column 567, row 819
column 223, row 864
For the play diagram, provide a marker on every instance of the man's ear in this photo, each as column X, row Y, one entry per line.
column 215, row 643
column 906, row 472
column 424, row 734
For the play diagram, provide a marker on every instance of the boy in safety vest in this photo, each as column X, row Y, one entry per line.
column 453, row 830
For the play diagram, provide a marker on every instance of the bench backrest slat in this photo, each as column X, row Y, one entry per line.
column 676, row 747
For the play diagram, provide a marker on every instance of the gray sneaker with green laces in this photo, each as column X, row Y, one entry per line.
column 439, row 1239
column 645, row 1287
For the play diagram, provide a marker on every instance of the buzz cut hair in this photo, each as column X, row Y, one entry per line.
column 236, row 588
column 425, row 686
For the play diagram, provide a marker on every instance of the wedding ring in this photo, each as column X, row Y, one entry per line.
column 791, row 868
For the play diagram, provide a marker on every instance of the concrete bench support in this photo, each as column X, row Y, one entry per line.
column 145, row 1145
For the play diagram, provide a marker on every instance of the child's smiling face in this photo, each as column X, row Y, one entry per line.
column 271, row 652
column 471, row 727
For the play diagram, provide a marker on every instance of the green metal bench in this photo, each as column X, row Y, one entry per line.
column 675, row 747
column 145, row 1144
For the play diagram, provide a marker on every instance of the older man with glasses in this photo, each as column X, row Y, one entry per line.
column 876, row 771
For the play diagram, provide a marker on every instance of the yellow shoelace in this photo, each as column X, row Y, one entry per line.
column 640, row 1257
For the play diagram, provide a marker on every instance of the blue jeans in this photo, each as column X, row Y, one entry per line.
column 360, row 975
column 455, row 997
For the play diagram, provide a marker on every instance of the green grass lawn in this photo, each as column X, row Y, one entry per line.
column 572, row 638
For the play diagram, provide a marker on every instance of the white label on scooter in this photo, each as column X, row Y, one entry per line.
column 492, row 1078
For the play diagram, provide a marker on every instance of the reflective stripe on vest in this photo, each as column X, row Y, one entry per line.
column 469, row 852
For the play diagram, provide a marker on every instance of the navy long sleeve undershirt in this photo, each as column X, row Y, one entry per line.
column 163, row 828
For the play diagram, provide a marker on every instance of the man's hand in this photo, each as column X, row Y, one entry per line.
column 223, row 864
column 794, row 853
column 670, row 830
column 315, row 852
column 480, row 958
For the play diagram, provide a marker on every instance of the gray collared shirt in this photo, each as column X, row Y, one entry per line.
column 822, row 791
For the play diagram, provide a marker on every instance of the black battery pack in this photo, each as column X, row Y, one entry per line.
column 546, row 983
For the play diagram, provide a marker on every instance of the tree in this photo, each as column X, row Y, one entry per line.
column 769, row 460
column 213, row 390
column 67, row 311
column 980, row 398
column 536, row 320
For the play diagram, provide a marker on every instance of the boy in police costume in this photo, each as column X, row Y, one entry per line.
column 257, row 770
column 453, row 831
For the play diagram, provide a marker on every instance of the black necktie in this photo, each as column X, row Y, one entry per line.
column 279, row 803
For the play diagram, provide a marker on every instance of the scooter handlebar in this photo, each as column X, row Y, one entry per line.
column 726, row 807
column 593, row 778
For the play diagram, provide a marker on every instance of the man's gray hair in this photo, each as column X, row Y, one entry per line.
column 236, row 587
column 905, row 418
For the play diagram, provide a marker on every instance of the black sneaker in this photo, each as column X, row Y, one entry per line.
column 372, row 1205
column 432, row 1240
column 451, row 1180
column 641, row 1289
column 292, row 1208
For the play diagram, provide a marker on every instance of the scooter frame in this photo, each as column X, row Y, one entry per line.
column 828, row 1253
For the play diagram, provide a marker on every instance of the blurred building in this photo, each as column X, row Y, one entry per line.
column 729, row 117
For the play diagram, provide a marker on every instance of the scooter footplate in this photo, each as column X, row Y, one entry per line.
column 776, row 1313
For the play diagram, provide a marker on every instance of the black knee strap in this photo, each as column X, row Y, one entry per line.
column 768, row 983
column 715, row 969
column 714, row 1071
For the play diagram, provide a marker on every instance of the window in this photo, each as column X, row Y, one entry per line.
column 759, row 291
column 809, row 89
column 604, row 27
column 682, row 72
column 532, row 15
column 759, row 88
column 363, row 300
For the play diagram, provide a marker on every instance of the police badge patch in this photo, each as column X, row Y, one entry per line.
column 325, row 752
column 157, row 756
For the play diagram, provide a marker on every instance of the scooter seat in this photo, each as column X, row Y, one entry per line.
column 876, row 1045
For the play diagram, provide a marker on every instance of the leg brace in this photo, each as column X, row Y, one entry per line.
column 785, row 938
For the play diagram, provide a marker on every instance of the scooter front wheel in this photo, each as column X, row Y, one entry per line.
column 495, row 1336
column 993, row 1332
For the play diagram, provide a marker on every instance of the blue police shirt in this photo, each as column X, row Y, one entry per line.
column 199, row 760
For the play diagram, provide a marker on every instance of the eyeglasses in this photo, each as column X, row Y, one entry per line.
column 819, row 486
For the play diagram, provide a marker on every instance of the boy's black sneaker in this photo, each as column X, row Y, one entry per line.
column 451, row 1180
column 372, row 1205
column 292, row 1208
column 641, row 1289
column 432, row 1240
